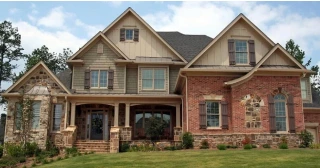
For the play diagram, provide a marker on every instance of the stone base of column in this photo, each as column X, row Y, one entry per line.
column 114, row 140
column 69, row 136
column 125, row 133
column 177, row 134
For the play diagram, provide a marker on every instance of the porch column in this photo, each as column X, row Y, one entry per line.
column 178, row 115
column 116, row 115
column 73, row 114
column 127, row 115
column 66, row 115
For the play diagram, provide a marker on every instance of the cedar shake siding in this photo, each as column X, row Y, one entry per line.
column 94, row 61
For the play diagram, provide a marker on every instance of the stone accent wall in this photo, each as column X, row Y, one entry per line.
column 177, row 133
column 198, row 86
column 125, row 133
column 114, row 140
column 236, row 139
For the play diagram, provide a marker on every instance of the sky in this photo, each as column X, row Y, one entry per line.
column 61, row 25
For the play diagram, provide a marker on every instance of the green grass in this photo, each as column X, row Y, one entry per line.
column 305, row 158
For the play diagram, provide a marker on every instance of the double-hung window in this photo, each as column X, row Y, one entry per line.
column 99, row 78
column 213, row 114
column 241, row 53
column 36, row 114
column 303, row 83
column 129, row 34
column 153, row 78
column 56, row 117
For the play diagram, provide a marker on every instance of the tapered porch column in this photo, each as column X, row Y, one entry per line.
column 66, row 114
column 178, row 115
column 73, row 114
column 116, row 115
column 127, row 115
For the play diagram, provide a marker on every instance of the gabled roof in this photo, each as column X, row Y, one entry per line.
column 187, row 46
column 40, row 64
column 130, row 10
column 239, row 17
column 65, row 78
column 256, row 68
column 103, row 37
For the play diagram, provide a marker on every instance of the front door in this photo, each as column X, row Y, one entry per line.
column 96, row 126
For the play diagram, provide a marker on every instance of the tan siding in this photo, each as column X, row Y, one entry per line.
column 132, row 81
column 153, row 91
column 149, row 45
column 173, row 74
column 218, row 53
column 93, row 60
column 278, row 58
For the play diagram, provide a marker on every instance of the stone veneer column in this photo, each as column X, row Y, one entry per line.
column 114, row 140
column 177, row 134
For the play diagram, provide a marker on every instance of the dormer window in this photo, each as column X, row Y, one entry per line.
column 129, row 34
column 241, row 52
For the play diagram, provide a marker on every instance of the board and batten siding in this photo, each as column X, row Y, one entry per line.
column 279, row 58
column 93, row 60
column 173, row 74
column 217, row 54
column 132, row 80
column 148, row 45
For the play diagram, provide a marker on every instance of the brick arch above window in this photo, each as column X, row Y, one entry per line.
column 280, row 90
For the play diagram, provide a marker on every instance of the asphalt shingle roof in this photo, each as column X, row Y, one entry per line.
column 188, row 46
column 65, row 78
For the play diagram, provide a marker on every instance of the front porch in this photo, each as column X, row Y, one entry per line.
column 116, row 122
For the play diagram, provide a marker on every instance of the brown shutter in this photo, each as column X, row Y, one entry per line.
column 252, row 55
column 87, row 79
column 232, row 58
column 202, row 115
column 136, row 35
column 272, row 115
column 122, row 34
column 110, row 78
column 290, row 106
column 224, row 114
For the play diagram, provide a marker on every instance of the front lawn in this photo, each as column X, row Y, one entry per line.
column 305, row 158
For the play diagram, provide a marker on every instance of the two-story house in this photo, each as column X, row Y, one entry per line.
column 239, row 83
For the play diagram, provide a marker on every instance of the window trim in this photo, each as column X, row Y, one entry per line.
column 52, row 116
column 106, row 87
column 220, row 116
column 286, row 113
column 125, row 34
column 153, row 79
column 306, row 89
column 235, row 52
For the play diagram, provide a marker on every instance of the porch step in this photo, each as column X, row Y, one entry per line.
column 93, row 145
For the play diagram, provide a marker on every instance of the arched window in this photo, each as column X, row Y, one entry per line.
column 280, row 112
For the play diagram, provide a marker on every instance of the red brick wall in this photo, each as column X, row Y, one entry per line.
column 260, row 85
column 311, row 116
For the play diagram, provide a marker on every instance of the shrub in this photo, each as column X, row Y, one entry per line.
column 204, row 144
column 155, row 128
column 14, row 150
column 34, row 164
column 187, row 140
column 221, row 146
column 314, row 146
column 232, row 146
column 266, row 146
column 74, row 154
column 66, row 156
column 71, row 150
column 45, row 161
column 8, row 161
column 1, row 151
column 171, row 148
column 59, row 158
column 283, row 146
column 246, row 140
column 124, row 147
column 247, row 146
column 31, row 149
column 254, row 146
column 306, row 138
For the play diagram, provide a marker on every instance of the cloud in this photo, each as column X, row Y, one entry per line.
column 55, row 19
column 32, row 18
column 33, row 5
column 90, row 29
column 13, row 10
column 115, row 3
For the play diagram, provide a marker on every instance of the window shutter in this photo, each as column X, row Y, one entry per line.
column 252, row 55
column 136, row 35
column 224, row 115
column 87, row 79
column 272, row 115
column 202, row 115
column 232, row 59
column 110, row 78
column 122, row 34
column 290, row 106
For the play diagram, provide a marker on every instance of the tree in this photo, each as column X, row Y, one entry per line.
column 55, row 62
column 10, row 50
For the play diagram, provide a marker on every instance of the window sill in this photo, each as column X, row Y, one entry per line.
column 282, row 132
column 214, row 128
column 144, row 90
column 55, row 132
column 98, row 88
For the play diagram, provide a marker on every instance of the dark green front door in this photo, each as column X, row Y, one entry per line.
column 96, row 126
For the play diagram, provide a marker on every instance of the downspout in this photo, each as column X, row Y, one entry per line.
column 187, row 112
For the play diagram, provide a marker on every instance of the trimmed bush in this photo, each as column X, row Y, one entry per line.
column 306, row 138
column 32, row 149
column 71, row 150
column 187, row 140
column 254, row 146
column 283, row 146
column 221, row 146
column 247, row 146
column 204, row 144
column 124, row 147
column 266, row 146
